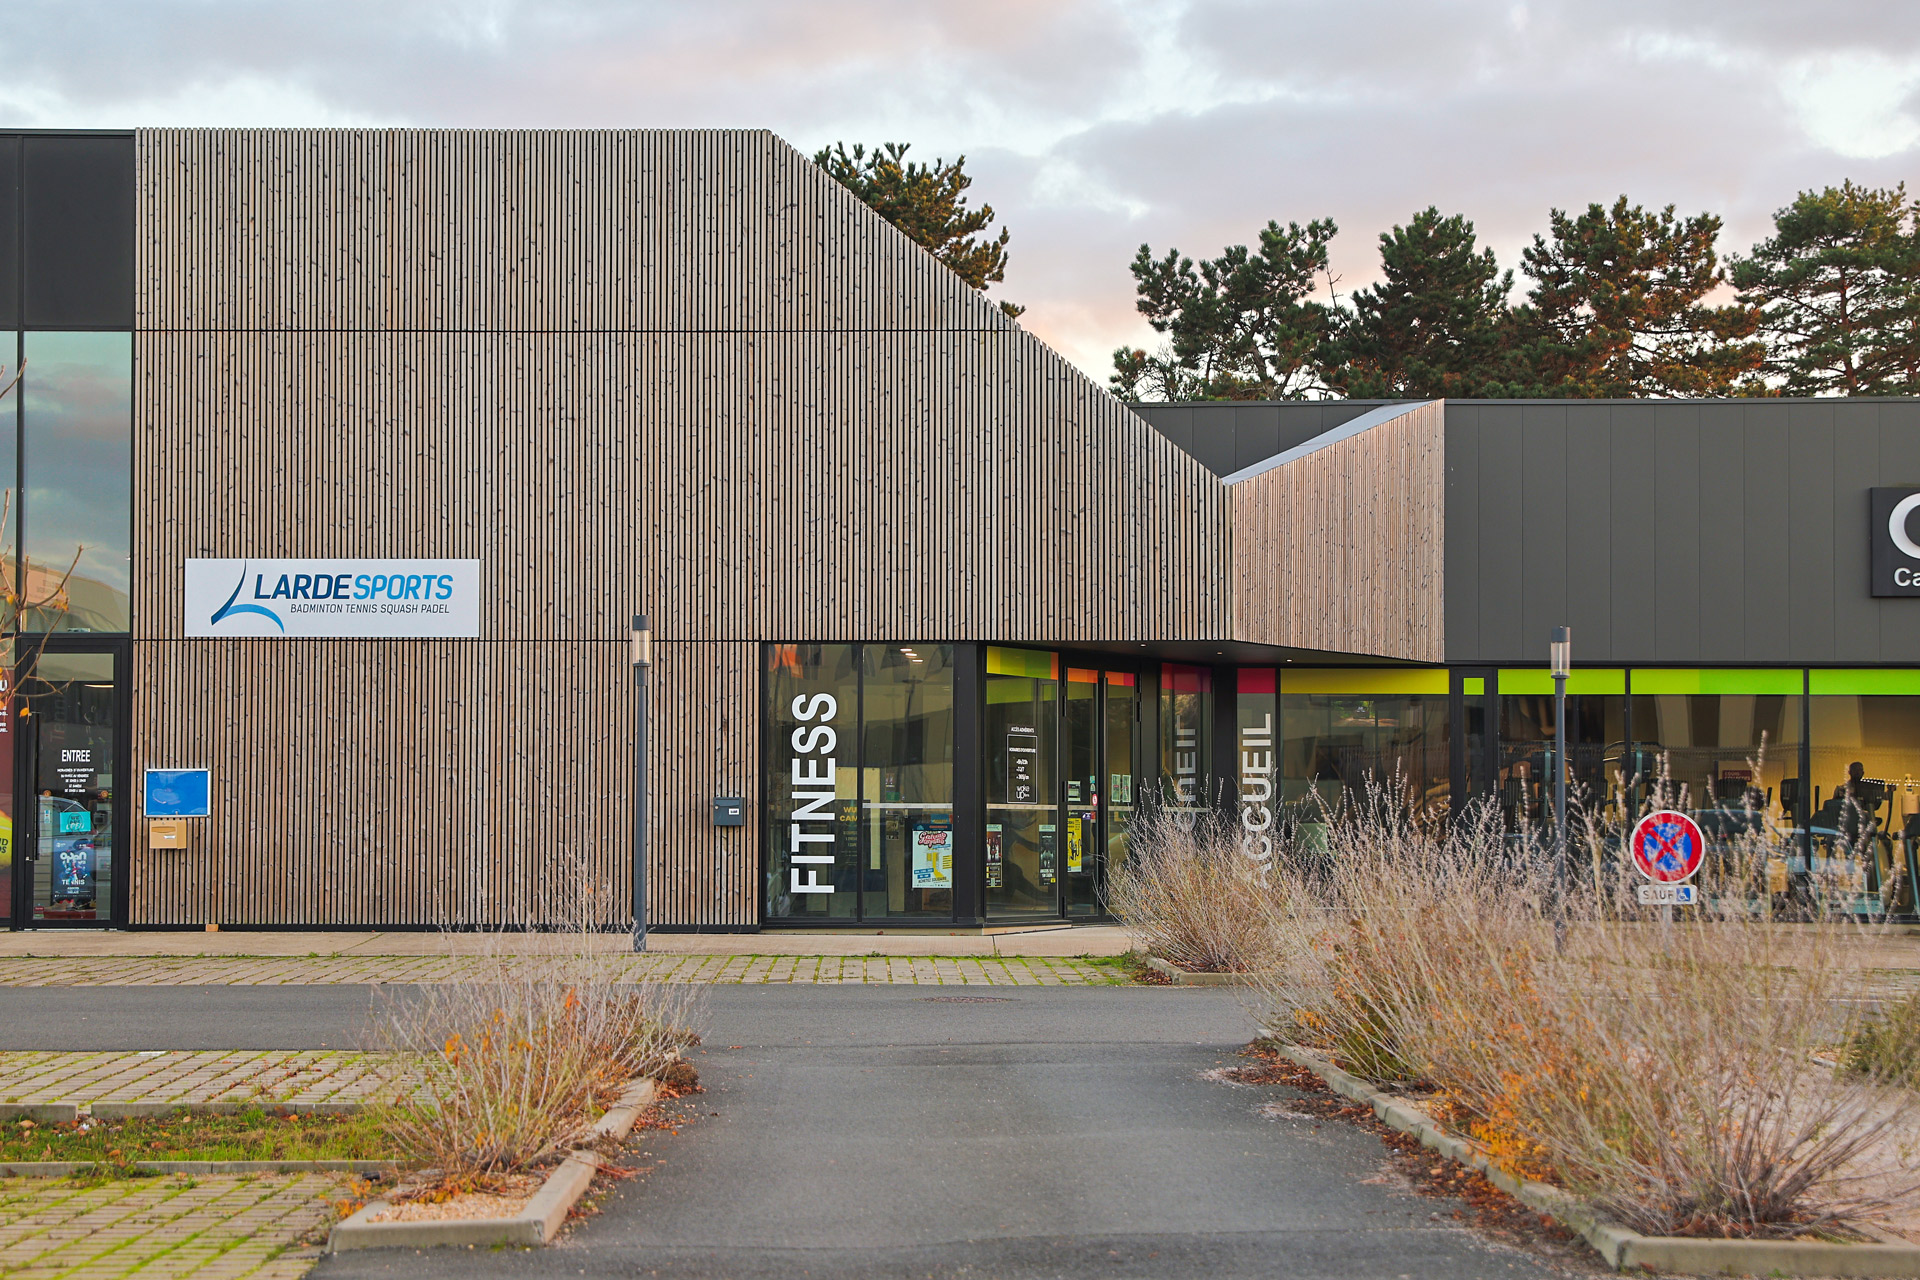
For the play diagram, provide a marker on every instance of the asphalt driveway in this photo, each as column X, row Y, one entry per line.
column 904, row 1132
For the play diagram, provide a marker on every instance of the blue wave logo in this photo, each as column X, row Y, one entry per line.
column 228, row 609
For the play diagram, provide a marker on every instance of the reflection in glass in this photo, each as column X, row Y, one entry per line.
column 78, row 399
column 70, row 723
column 1733, row 763
column 1023, row 817
column 1123, row 712
column 1722, row 751
column 1475, row 714
column 809, row 763
column 1595, row 742
column 9, row 511
column 906, row 771
column 1333, row 743
column 1865, row 800
column 1081, row 856
column 1186, row 734
column 9, row 443
column 1256, row 710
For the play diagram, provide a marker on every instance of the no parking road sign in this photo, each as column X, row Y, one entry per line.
column 1667, row 846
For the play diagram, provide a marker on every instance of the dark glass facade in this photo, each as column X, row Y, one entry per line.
column 864, row 816
column 66, row 437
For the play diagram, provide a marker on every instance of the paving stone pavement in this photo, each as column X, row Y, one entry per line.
column 292, row 1076
column 333, row 970
column 216, row 1228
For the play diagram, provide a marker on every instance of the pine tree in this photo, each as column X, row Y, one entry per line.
column 1240, row 326
column 928, row 202
column 1433, row 326
column 1618, row 309
column 1836, row 291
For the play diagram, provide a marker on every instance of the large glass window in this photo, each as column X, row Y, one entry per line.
column 1864, row 803
column 1730, row 739
column 906, row 779
column 1596, row 744
column 9, row 452
column 1123, row 712
column 1342, row 725
column 809, row 772
column 857, row 778
column 9, row 512
column 1186, row 735
column 77, row 397
column 1023, row 815
column 1256, row 713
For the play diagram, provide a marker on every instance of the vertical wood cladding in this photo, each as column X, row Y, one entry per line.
column 674, row 371
column 1341, row 549
column 433, row 782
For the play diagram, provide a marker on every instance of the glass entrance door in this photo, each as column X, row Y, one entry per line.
column 69, row 865
column 1060, row 774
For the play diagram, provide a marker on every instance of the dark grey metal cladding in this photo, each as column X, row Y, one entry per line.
column 77, row 230
column 9, row 238
column 1686, row 532
column 1227, row 435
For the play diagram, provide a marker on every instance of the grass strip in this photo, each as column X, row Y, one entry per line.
column 183, row 1135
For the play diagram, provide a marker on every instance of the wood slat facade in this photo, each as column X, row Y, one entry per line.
column 1342, row 549
column 677, row 372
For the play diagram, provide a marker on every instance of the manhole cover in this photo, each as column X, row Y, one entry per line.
column 966, row 999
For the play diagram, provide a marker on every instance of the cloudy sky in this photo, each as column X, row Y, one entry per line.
column 1092, row 125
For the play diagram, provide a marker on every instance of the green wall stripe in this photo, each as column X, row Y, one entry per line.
column 1582, row 680
column 1884, row 681
column 1658, row 680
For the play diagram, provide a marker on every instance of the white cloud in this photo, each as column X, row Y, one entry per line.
column 1091, row 125
column 1855, row 104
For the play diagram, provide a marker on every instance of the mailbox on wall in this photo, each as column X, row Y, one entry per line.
column 729, row 811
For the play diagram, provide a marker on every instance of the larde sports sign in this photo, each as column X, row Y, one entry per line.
column 333, row 599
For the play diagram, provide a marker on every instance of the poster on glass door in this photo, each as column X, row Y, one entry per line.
column 932, row 856
column 1023, row 764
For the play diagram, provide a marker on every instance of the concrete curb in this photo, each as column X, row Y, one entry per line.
column 1622, row 1248
column 40, row 1112
column 534, row 1225
column 66, row 1168
column 1187, row 978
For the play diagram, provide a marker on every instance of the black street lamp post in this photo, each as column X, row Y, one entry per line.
column 642, row 659
column 1561, row 654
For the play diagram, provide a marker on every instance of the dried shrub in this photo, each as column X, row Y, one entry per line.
column 508, row 1067
column 1189, row 892
column 1664, row 1070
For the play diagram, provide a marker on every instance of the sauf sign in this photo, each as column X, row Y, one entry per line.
column 333, row 599
column 1895, row 531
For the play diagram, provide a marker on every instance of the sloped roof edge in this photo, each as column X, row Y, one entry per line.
column 1345, row 431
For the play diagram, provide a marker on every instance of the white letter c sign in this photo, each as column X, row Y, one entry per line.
column 1897, row 526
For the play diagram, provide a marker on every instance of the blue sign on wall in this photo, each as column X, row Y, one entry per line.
column 178, row 793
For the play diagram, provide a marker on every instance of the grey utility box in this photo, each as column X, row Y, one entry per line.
column 729, row 811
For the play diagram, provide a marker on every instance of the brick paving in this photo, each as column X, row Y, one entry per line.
column 226, row 1228
column 334, row 970
column 217, row 1228
column 303, row 1076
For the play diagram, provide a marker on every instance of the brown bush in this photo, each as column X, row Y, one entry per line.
column 1189, row 893
column 509, row 1067
column 1665, row 1070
